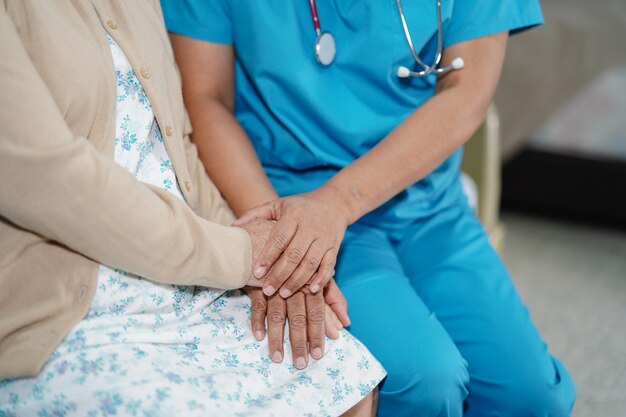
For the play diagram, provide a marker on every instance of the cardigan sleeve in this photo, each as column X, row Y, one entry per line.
column 59, row 186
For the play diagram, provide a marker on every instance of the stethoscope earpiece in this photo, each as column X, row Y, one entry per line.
column 404, row 72
column 456, row 64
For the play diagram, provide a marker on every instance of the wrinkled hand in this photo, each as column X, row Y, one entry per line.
column 259, row 232
column 311, row 316
column 303, row 245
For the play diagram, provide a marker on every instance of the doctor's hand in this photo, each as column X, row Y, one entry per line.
column 311, row 316
column 303, row 245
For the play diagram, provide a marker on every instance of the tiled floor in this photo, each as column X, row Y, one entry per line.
column 573, row 280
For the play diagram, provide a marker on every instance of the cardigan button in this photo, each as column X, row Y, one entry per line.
column 188, row 186
column 168, row 131
column 145, row 72
column 112, row 24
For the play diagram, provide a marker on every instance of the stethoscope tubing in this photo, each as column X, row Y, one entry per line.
column 403, row 72
column 324, row 47
column 407, row 34
column 316, row 18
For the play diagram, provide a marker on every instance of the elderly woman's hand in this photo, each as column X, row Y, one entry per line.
column 303, row 245
column 311, row 317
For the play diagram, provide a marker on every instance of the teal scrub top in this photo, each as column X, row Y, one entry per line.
column 307, row 121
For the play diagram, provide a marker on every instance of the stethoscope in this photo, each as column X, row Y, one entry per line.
column 326, row 49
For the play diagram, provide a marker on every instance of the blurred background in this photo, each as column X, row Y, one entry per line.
column 560, row 121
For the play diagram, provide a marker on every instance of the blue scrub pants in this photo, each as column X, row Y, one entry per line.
column 435, row 304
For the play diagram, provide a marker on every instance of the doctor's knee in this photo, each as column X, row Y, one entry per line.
column 426, row 386
column 527, row 394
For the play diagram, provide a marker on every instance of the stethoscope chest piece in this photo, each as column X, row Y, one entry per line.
column 325, row 48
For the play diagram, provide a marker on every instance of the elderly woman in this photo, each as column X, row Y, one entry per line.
column 116, row 250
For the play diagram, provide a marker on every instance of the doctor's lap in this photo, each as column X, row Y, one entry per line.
column 434, row 303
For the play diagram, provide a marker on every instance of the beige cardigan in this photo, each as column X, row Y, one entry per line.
column 65, row 206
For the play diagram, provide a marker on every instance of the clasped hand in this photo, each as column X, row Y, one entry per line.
column 310, row 317
column 303, row 244
column 295, row 242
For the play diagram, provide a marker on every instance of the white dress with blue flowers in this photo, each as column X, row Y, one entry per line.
column 148, row 349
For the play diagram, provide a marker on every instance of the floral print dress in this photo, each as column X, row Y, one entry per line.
column 149, row 349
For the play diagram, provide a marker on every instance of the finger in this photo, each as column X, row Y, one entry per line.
column 338, row 323
column 325, row 272
column 296, row 311
column 304, row 270
column 258, row 301
column 276, row 315
column 287, row 262
column 334, row 297
column 264, row 211
column 315, row 315
column 331, row 324
column 279, row 239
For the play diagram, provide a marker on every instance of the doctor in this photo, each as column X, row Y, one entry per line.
column 343, row 109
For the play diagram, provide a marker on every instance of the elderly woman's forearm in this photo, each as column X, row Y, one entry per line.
column 60, row 186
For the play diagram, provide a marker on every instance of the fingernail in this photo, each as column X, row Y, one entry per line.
column 269, row 290
column 259, row 272
column 277, row 356
column 332, row 332
column 317, row 353
column 314, row 288
column 285, row 293
column 338, row 324
column 300, row 363
column 258, row 335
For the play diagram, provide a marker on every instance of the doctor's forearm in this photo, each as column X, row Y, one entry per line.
column 429, row 135
column 207, row 72
column 409, row 153
column 228, row 155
